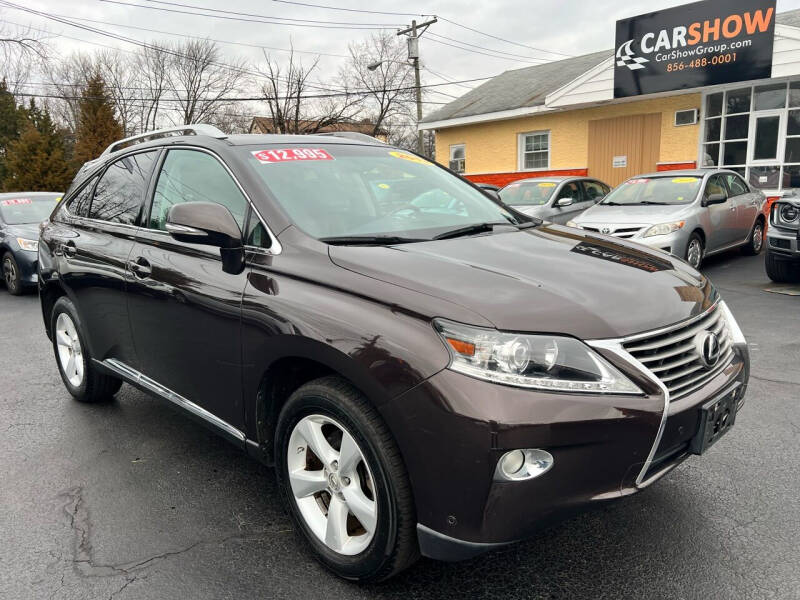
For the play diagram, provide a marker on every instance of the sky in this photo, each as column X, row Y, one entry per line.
column 532, row 31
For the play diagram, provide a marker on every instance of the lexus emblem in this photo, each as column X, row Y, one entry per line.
column 707, row 345
column 605, row 230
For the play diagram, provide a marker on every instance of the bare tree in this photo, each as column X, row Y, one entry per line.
column 17, row 39
column 68, row 78
column 290, row 97
column 152, row 65
column 121, row 78
column 200, row 80
column 390, row 85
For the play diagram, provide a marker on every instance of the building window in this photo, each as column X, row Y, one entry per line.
column 755, row 131
column 534, row 150
column 458, row 158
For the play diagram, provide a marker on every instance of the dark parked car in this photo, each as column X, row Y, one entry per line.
column 438, row 381
column 20, row 215
column 783, row 241
column 556, row 199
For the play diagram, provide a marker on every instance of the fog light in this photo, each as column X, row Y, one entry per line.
column 518, row 465
column 512, row 462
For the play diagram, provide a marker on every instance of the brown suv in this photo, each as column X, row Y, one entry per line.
column 429, row 370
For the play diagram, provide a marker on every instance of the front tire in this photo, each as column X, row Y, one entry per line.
column 11, row 275
column 81, row 378
column 344, row 481
column 781, row 271
column 695, row 250
column 755, row 243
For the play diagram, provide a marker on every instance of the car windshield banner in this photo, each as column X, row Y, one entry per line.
column 695, row 45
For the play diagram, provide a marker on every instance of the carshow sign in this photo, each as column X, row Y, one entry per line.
column 699, row 44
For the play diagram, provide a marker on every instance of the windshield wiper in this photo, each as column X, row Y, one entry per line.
column 470, row 230
column 611, row 204
column 650, row 202
column 369, row 240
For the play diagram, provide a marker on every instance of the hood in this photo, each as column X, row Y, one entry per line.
column 549, row 279
column 25, row 230
column 636, row 214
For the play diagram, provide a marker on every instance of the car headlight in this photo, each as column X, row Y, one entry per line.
column 573, row 224
column 737, row 337
column 545, row 362
column 29, row 245
column 787, row 215
column 664, row 228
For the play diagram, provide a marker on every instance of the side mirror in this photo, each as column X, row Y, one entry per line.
column 564, row 202
column 492, row 194
column 209, row 224
column 715, row 199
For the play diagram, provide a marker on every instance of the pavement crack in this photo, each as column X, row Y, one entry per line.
column 777, row 381
column 126, row 584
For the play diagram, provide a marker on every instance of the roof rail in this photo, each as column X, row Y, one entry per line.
column 352, row 135
column 199, row 129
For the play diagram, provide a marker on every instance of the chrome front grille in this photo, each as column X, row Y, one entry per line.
column 671, row 353
column 622, row 231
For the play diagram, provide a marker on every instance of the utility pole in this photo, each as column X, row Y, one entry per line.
column 415, row 32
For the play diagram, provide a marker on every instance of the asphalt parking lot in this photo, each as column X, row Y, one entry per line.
column 132, row 500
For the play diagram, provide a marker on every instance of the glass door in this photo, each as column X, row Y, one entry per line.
column 765, row 148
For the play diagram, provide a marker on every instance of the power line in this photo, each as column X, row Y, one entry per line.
column 197, row 37
column 503, row 39
column 355, row 10
column 262, row 20
column 440, row 76
column 435, row 41
column 509, row 54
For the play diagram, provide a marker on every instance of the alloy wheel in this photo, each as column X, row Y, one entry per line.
column 694, row 253
column 70, row 353
column 9, row 273
column 332, row 484
column 758, row 237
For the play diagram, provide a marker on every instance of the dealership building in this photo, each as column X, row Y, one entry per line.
column 735, row 102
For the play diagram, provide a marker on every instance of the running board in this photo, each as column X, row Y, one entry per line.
column 142, row 381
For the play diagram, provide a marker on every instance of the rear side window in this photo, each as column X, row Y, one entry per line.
column 191, row 176
column 594, row 190
column 120, row 193
column 79, row 205
column 736, row 185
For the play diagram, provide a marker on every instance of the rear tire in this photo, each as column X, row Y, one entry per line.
column 695, row 249
column 781, row 271
column 374, row 483
column 755, row 243
column 81, row 378
column 11, row 275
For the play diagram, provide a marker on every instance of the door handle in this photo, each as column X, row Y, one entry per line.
column 69, row 248
column 140, row 268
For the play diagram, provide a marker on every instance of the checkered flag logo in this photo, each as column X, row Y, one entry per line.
column 626, row 58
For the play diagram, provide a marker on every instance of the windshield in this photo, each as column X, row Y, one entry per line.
column 528, row 193
column 334, row 191
column 655, row 190
column 30, row 209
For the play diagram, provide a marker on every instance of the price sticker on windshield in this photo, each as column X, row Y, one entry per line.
column 632, row 181
column 290, row 155
column 684, row 180
column 546, row 184
column 15, row 201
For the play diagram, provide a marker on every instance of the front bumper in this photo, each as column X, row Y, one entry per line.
column 452, row 429
column 784, row 243
column 28, row 266
column 674, row 243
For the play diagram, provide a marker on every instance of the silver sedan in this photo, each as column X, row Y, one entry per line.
column 690, row 214
column 556, row 199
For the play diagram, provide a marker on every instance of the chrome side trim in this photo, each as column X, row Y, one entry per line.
column 129, row 373
column 616, row 347
column 184, row 229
